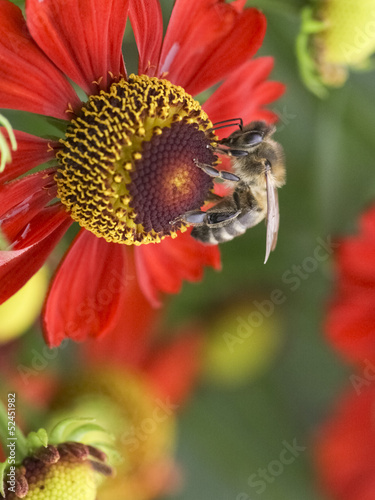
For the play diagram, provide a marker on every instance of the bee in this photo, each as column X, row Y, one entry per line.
column 258, row 165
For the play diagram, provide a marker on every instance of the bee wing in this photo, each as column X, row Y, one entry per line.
column 273, row 215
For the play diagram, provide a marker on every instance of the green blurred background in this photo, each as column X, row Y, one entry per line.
column 227, row 435
column 235, row 426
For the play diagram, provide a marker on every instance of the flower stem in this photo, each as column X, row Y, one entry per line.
column 5, row 434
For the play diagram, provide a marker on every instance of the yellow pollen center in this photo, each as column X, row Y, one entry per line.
column 127, row 162
column 179, row 180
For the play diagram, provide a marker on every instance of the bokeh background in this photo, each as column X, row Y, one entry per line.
column 278, row 384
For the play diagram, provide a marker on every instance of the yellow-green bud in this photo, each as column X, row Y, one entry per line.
column 336, row 35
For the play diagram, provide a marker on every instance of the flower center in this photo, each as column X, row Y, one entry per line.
column 126, row 168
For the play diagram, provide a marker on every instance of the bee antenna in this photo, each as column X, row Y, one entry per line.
column 232, row 122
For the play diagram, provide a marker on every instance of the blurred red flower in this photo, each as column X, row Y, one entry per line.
column 132, row 383
column 170, row 361
column 350, row 323
column 171, row 366
column 345, row 450
column 64, row 40
column 148, row 383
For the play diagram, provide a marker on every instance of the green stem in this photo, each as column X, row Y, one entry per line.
column 19, row 438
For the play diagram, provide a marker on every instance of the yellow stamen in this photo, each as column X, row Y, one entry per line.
column 114, row 141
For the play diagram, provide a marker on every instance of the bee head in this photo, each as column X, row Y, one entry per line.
column 249, row 137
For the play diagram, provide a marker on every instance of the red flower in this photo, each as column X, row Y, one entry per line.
column 350, row 324
column 346, row 448
column 111, row 172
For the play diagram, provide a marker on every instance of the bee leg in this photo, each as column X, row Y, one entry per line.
column 218, row 219
column 212, row 197
column 231, row 152
column 237, row 201
column 226, row 210
column 193, row 217
column 213, row 172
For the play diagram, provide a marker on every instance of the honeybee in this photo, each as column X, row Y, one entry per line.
column 258, row 166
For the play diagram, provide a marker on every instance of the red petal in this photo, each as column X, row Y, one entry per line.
column 244, row 93
column 82, row 38
column 31, row 152
column 39, row 238
column 356, row 260
column 23, row 199
column 350, row 325
column 266, row 93
column 345, row 448
column 198, row 47
column 267, row 116
column 28, row 79
column 368, row 222
column 163, row 266
column 147, row 23
column 87, row 290
column 128, row 341
column 173, row 368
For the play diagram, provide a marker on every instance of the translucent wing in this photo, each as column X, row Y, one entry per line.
column 273, row 215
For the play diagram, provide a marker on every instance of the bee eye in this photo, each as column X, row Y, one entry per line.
column 252, row 138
